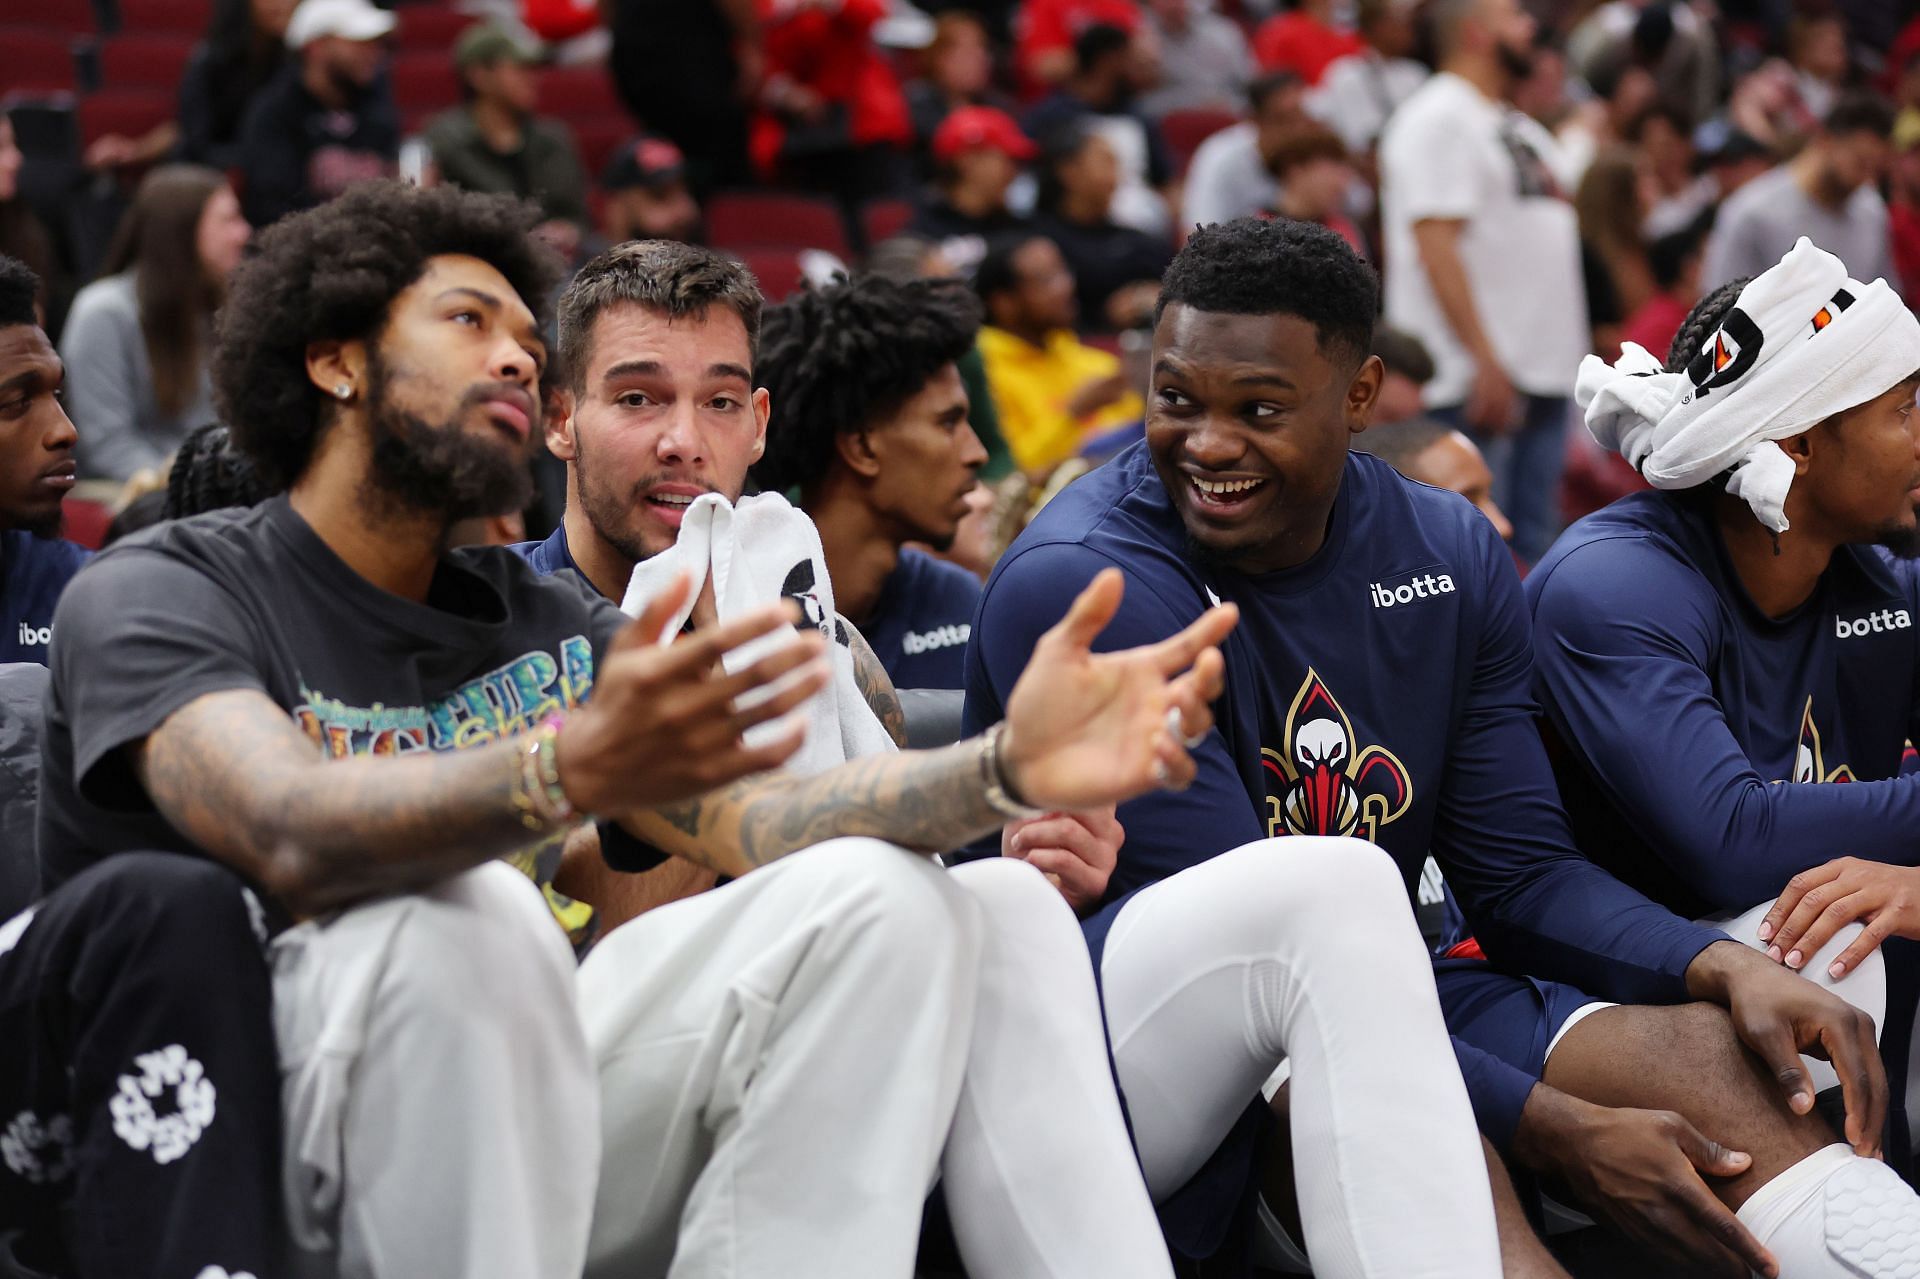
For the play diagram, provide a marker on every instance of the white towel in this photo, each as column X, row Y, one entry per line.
column 1802, row 343
column 756, row 553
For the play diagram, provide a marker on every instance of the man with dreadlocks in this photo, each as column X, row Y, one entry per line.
column 1762, row 598
column 873, row 432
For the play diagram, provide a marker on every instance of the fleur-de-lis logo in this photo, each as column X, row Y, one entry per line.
column 1323, row 785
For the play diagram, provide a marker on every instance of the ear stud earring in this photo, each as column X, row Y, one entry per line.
column 342, row 391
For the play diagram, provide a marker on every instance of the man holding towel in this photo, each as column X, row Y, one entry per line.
column 1751, row 622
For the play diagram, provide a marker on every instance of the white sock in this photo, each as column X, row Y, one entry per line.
column 1837, row 1214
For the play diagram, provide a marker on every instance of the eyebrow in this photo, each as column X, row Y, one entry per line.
column 39, row 375
column 653, row 368
column 1163, row 365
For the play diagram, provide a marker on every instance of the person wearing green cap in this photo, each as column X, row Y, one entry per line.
column 494, row 142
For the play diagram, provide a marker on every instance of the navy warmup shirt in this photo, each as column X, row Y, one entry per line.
column 1674, row 706
column 36, row 570
column 920, row 625
column 1380, row 690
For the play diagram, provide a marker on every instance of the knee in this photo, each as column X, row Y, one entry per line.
column 480, row 944
column 1320, row 875
column 179, row 908
column 882, row 899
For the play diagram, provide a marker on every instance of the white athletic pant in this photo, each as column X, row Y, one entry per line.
column 786, row 1064
column 1304, row 948
column 441, row 1110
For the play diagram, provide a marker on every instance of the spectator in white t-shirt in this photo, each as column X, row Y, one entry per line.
column 1229, row 176
column 1484, row 254
column 1358, row 92
column 1204, row 59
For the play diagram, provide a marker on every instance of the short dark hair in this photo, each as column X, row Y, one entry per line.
column 996, row 273
column 1303, row 146
column 1254, row 266
column 1099, row 40
column 842, row 358
column 19, row 287
column 1860, row 111
column 677, row 280
column 1266, row 86
column 1403, row 353
column 1400, row 444
column 331, row 274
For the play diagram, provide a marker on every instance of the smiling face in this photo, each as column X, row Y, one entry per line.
column 451, row 387
column 663, row 411
column 1248, row 423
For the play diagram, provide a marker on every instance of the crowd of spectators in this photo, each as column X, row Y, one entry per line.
column 1532, row 181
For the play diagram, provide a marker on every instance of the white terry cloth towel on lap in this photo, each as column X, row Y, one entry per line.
column 757, row 552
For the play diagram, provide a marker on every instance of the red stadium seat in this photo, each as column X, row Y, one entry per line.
column 428, row 28
column 86, row 521
column 128, row 112
column 778, row 270
column 884, row 219
column 181, row 17
column 144, row 61
column 1186, row 130
column 424, row 83
column 771, row 219
column 75, row 17
column 598, row 139
column 35, row 62
column 580, row 94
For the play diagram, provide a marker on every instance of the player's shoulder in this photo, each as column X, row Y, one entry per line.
column 1643, row 554
column 1399, row 518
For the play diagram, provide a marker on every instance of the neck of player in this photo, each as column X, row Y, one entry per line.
column 860, row 549
column 1777, row 580
column 603, row 563
column 393, row 546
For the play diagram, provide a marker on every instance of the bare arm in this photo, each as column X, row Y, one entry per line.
column 235, row 775
column 876, row 686
column 1438, row 240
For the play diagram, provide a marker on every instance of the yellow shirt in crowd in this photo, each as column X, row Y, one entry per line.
column 1032, row 386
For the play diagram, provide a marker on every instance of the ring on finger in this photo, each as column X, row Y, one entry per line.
column 1161, row 777
column 1177, row 728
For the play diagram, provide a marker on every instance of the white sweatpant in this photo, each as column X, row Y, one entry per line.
column 1304, row 948
column 787, row 1062
column 441, row 1109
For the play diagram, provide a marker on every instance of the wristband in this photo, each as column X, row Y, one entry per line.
column 993, row 778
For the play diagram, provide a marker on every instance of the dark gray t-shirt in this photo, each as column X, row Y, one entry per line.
column 253, row 599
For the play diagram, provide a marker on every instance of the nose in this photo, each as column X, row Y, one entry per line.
column 1501, row 525
column 680, row 441
column 61, row 434
column 973, row 454
column 508, row 361
column 1214, row 445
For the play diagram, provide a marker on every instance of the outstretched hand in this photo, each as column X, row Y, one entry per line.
column 1087, row 729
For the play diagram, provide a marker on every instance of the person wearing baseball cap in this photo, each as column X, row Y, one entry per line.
column 327, row 119
column 494, row 142
column 646, row 195
column 977, row 153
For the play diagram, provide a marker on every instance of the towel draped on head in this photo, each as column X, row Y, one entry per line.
column 1802, row 343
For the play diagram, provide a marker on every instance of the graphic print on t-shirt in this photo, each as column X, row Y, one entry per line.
column 1325, row 786
column 511, row 699
column 1809, row 762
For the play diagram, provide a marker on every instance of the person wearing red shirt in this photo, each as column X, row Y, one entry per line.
column 832, row 111
column 1044, row 31
column 1304, row 40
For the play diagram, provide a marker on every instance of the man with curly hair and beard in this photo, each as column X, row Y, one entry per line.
column 872, row 430
column 1378, row 710
column 317, row 696
column 130, row 1102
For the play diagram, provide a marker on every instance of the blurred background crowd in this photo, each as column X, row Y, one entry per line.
column 1535, row 179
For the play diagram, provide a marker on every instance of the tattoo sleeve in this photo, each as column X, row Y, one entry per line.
column 234, row 774
column 876, row 686
column 926, row 800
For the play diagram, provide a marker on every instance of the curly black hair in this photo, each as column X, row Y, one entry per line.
column 19, row 286
column 208, row 475
column 1254, row 266
column 1708, row 314
column 331, row 273
column 844, row 357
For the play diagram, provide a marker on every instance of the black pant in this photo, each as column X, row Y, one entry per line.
column 139, row 1083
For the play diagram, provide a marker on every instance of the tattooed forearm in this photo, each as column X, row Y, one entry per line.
column 232, row 773
column 876, row 686
column 926, row 800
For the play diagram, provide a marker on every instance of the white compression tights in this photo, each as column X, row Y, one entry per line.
column 1304, row 948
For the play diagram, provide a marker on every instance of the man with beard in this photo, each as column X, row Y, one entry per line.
column 316, row 695
column 36, row 443
column 658, row 412
column 1487, row 254
column 1377, row 690
column 872, row 430
column 1751, row 622
column 327, row 118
